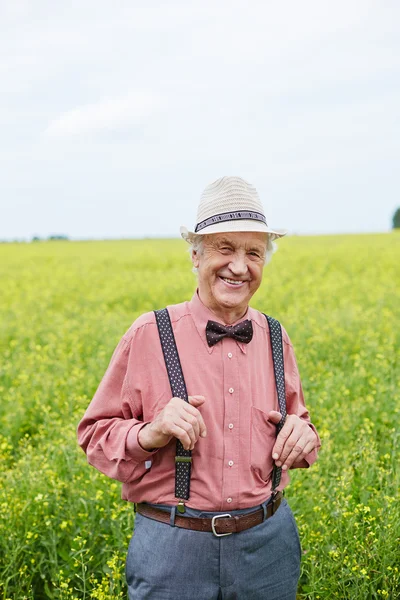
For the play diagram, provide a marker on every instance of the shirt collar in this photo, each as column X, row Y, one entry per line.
column 201, row 314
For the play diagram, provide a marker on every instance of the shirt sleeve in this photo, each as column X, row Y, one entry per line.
column 295, row 398
column 108, row 431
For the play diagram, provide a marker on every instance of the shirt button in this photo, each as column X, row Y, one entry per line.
column 229, row 500
column 230, row 354
column 230, row 463
column 231, row 390
column 230, row 425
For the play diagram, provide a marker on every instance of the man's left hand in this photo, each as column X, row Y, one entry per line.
column 296, row 439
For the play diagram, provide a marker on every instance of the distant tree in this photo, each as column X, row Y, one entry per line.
column 57, row 237
column 396, row 219
column 36, row 238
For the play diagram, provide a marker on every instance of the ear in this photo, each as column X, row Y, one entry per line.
column 195, row 259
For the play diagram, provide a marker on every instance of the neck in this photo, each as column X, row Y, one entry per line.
column 224, row 315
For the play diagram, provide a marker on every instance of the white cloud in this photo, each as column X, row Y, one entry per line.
column 296, row 95
column 107, row 115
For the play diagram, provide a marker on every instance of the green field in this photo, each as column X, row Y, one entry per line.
column 64, row 306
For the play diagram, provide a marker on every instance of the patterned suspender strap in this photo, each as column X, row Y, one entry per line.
column 277, row 357
column 183, row 458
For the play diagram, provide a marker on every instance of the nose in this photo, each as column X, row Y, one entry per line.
column 238, row 264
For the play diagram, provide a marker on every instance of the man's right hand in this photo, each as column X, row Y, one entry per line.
column 178, row 419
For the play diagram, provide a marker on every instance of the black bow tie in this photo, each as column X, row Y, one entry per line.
column 242, row 332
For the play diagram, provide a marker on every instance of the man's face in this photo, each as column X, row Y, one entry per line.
column 230, row 270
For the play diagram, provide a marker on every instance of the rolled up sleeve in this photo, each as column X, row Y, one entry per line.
column 108, row 431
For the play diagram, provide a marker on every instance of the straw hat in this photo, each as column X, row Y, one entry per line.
column 230, row 204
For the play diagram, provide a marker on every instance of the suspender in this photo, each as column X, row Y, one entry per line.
column 183, row 458
column 275, row 334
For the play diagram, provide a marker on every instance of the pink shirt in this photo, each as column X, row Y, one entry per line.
column 232, row 466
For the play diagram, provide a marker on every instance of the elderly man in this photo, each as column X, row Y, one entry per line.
column 201, row 415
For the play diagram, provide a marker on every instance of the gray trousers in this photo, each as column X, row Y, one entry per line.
column 261, row 563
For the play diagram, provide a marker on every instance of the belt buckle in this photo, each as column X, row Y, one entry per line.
column 213, row 525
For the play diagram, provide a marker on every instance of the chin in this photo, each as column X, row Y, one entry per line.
column 229, row 302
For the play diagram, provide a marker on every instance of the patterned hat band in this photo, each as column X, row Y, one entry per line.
column 231, row 216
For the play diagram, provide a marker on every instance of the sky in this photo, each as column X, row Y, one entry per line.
column 114, row 116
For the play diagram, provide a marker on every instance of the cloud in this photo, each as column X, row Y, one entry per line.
column 107, row 115
column 131, row 100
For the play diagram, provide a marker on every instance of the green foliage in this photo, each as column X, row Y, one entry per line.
column 396, row 219
column 64, row 530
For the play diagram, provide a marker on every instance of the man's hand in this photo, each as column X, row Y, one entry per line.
column 178, row 419
column 295, row 440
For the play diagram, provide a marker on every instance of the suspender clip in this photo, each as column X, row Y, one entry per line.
column 274, row 497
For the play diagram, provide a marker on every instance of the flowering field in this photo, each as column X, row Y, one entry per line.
column 64, row 306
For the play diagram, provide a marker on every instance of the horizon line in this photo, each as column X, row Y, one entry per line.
column 67, row 238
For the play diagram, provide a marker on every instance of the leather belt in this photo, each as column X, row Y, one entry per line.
column 219, row 525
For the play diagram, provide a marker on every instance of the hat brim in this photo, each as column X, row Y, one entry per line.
column 232, row 226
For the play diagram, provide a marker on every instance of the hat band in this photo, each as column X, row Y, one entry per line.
column 231, row 216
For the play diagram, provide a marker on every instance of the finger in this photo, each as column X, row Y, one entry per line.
column 290, row 443
column 283, row 435
column 193, row 421
column 274, row 416
column 181, row 434
column 294, row 455
column 189, row 430
column 179, row 409
column 195, row 412
column 192, row 401
column 309, row 447
column 301, row 436
column 196, row 400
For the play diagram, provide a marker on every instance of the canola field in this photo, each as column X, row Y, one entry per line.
column 64, row 306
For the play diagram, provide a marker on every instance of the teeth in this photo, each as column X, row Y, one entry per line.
column 232, row 281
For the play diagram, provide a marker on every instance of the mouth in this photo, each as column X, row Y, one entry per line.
column 233, row 283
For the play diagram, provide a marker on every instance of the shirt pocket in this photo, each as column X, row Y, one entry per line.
column 262, row 440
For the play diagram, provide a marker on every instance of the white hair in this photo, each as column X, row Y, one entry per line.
column 197, row 246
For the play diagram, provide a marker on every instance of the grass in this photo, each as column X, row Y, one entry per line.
column 64, row 530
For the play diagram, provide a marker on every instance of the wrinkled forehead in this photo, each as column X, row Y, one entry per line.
column 238, row 239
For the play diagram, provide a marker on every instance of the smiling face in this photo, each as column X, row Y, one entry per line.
column 230, row 271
